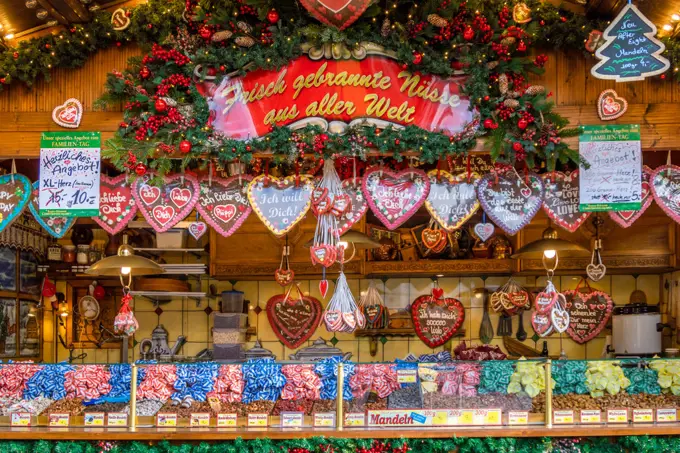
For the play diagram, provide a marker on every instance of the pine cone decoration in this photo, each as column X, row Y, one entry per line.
column 386, row 28
column 244, row 27
column 244, row 41
column 221, row 36
column 511, row 103
column 514, row 94
column 437, row 20
column 508, row 41
column 170, row 101
column 535, row 90
column 503, row 83
column 492, row 65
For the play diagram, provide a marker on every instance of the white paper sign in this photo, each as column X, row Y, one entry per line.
column 70, row 167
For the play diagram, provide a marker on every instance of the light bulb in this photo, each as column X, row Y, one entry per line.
column 125, row 270
column 550, row 254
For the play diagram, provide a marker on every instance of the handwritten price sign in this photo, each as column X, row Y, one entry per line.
column 70, row 167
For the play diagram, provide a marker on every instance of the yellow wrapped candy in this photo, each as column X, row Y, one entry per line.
column 529, row 377
column 605, row 376
column 669, row 375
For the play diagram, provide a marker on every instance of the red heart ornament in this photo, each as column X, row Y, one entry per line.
column 116, row 204
column 324, row 255
column 341, row 204
column 437, row 293
column 357, row 205
column 431, row 238
column 627, row 218
column 278, row 202
column 586, row 322
column 452, row 200
column 541, row 323
column 223, row 203
column 665, row 181
column 293, row 321
column 284, row 277
column 197, row 229
column 395, row 196
column 544, row 302
column 68, row 114
column 323, row 288
column 162, row 211
column 436, row 320
column 336, row 13
column 610, row 105
column 561, row 199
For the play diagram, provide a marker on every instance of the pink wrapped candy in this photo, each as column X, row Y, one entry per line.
column 228, row 387
column 301, row 382
column 380, row 378
column 13, row 378
column 87, row 382
column 158, row 383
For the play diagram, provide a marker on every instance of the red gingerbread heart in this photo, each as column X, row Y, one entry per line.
column 293, row 321
column 586, row 321
column 223, row 203
column 116, row 204
column 336, row 13
column 160, row 206
column 436, row 320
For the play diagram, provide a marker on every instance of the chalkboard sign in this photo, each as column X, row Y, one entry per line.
column 613, row 179
column 630, row 51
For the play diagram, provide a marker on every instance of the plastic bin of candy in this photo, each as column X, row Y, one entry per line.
column 617, row 391
column 61, row 395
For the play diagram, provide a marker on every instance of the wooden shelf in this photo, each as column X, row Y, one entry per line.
column 446, row 268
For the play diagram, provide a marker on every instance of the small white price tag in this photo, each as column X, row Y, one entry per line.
column 258, row 420
column 591, row 416
column 200, row 420
column 227, row 420
column 355, row 419
column 94, row 419
column 518, row 418
column 59, row 420
column 563, row 417
column 166, row 420
column 666, row 415
column 116, row 419
column 292, row 419
column 20, row 419
column 324, row 419
column 617, row 416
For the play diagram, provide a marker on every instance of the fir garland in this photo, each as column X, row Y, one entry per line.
column 637, row 444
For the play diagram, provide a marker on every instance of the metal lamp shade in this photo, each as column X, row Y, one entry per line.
column 550, row 241
column 357, row 238
column 111, row 266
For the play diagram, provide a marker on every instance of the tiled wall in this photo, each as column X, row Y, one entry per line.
column 185, row 317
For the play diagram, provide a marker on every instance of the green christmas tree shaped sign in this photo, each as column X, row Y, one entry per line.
column 630, row 52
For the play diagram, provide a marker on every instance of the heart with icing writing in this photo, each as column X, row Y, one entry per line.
column 610, row 105
column 560, row 319
column 520, row 299
column 395, row 196
column 284, row 277
column 596, row 272
column 452, row 199
column 223, row 203
column 431, row 238
column 665, row 184
column 503, row 200
column 627, row 218
column 197, row 229
column 588, row 313
column 293, row 321
column 116, row 203
column 68, row 114
column 278, row 202
column 336, row 13
column 15, row 193
column 544, row 301
column 56, row 226
column 561, row 200
column 484, row 231
column 163, row 207
column 541, row 323
column 120, row 20
column 357, row 205
column 436, row 320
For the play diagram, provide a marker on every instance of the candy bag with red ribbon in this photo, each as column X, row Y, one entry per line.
column 125, row 321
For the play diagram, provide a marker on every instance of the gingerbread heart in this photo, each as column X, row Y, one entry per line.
column 336, row 13
column 541, row 323
column 596, row 272
column 431, row 238
column 665, row 183
column 15, row 193
column 56, row 226
column 627, row 218
column 484, row 230
column 284, row 277
column 279, row 203
column 120, row 20
column 293, row 321
column 436, row 320
column 452, row 200
column 561, row 200
column 588, row 313
column 610, row 105
column 395, row 196
column 544, row 302
column 68, row 114
column 509, row 200
column 223, row 203
column 197, row 229
column 117, row 206
column 163, row 207
column 357, row 205
column 560, row 319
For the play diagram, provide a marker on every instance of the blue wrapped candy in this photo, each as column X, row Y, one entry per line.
column 327, row 370
column 264, row 380
column 48, row 382
column 195, row 380
column 120, row 380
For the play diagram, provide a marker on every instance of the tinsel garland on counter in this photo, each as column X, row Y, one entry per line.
column 637, row 444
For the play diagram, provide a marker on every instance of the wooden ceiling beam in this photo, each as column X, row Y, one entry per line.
column 53, row 12
column 80, row 9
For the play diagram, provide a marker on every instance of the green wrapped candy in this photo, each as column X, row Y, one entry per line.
column 495, row 376
column 569, row 377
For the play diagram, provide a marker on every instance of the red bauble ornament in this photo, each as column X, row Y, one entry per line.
column 118, row 44
column 273, row 16
column 397, row 141
column 48, row 46
column 99, row 292
column 205, row 33
column 522, row 47
column 522, row 124
column 486, row 98
column 15, row 55
column 417, row 58
column 140, row 169
column 3, row 80
column 249, row 148
column 212, row 72
column 489, row 124
column 517, row 146
column 149, row 26
column 144, row 73
column 160, row 105
column 663, row 76
column 469, row 34
column 185, row 146
column 223, row 68
column 563, row 19
column 542, row 23
column 457, row 65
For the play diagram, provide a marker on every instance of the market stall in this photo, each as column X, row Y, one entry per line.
column 309, row 226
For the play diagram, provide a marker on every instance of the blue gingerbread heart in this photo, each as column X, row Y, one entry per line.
column 15, row 191
column 57, row 226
